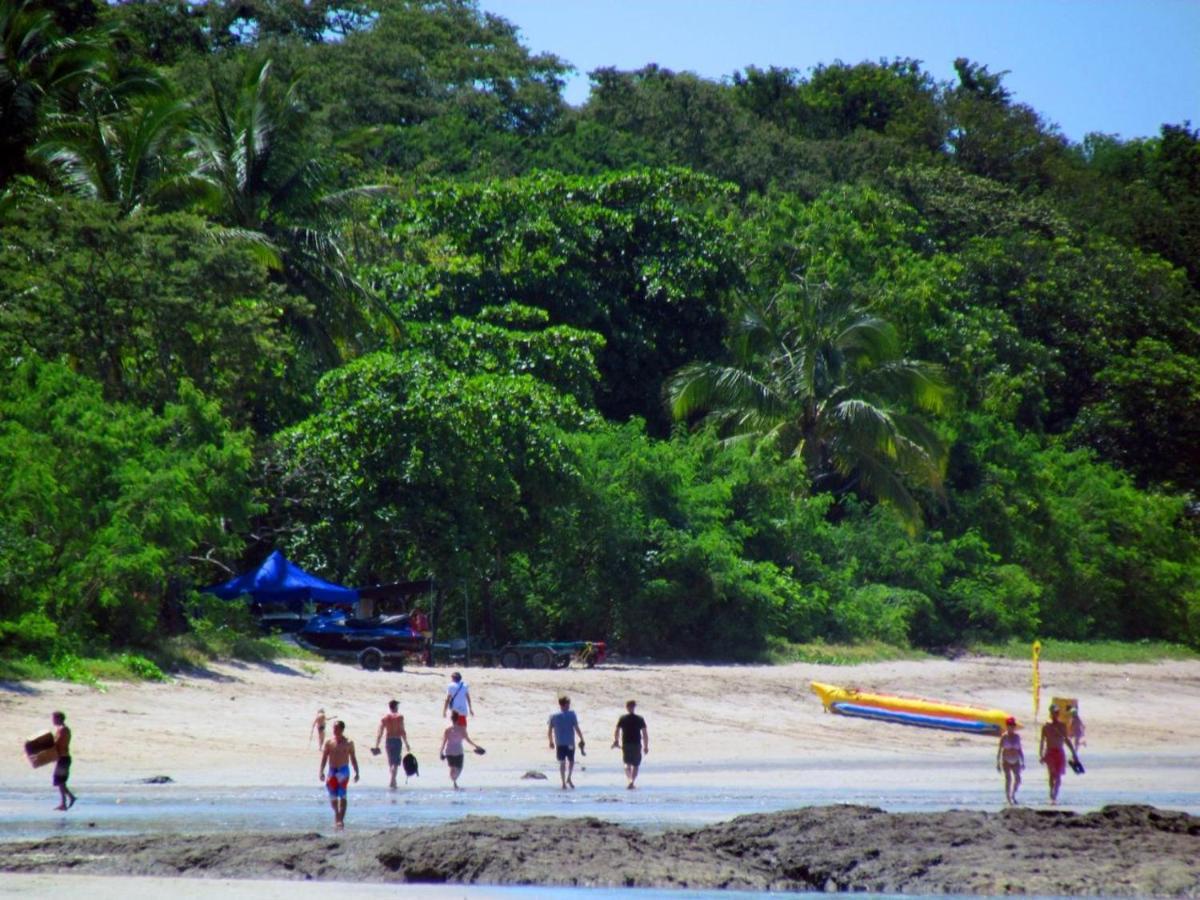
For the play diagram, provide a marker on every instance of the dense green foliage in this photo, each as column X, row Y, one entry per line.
column 721, row 369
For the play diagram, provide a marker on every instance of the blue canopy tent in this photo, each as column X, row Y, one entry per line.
column 283, row 582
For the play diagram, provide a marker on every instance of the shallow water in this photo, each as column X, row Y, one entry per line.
column 26, row 812
column 102, row 888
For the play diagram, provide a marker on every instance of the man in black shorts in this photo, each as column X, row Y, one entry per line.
column 62, row 768
column 634, row 739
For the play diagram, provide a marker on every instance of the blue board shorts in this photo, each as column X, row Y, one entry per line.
column 337, row 781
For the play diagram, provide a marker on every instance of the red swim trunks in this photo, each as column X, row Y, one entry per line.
column 1056, row 760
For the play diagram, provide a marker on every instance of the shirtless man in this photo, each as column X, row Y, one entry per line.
column 1051, row 752
column 62, row 768
column 397, row 738
column 339, row 754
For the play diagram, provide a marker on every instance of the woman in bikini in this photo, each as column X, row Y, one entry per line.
column 452, row 746
column 1010, row 759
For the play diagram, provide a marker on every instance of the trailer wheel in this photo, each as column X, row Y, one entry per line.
column 371, row 659
column 510, row 659
column 541, row 659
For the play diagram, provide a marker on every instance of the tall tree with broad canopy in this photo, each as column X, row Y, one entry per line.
column 646, row 258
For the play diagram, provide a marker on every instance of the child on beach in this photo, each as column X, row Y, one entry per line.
column 1010, row 759
column 318, row 727
column 452, row 746
column 1077, row 729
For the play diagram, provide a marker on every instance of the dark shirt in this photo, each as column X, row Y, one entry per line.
column 631, row 725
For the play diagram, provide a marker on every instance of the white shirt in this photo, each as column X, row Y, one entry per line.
column 457, row 692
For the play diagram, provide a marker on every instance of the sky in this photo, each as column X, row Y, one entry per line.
column 1120, row 67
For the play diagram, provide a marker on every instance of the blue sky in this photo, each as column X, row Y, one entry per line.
column 1115, row 66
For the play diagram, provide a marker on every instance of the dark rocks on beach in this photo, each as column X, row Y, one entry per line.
column 532, row 773
column 156, row 779
column 1119, row 850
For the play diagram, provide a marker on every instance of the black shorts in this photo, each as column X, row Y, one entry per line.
column 565, row 753
column 62, row 771
column 632, row 754
column 454, row 762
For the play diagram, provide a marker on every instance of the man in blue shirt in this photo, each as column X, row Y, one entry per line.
column 561, row 731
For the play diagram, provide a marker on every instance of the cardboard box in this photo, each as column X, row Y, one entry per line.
column 43, row 757
column 40, row 749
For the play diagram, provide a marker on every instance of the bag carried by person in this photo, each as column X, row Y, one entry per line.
column 1076, row 765
column 410, row 765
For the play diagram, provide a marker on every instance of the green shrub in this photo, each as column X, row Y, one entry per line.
column 142, row 668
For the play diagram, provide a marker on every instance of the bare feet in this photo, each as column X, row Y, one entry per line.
column 71, row 802
column 570, row 784
column 60, row 808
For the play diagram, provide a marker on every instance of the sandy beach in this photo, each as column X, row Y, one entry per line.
column 751, row 728
column 246, row 724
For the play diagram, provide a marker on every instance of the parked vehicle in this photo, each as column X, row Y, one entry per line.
column 375, row 643
column 288, row 618
column 522, row 655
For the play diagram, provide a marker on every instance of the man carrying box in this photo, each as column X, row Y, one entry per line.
column 62, row 768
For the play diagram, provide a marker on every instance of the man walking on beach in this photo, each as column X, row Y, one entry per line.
column 561, row 730
column 397, row 738
column 1050, row 751
column 339, row 754
column 62, row 767
column 634, row 739
column 458, row 697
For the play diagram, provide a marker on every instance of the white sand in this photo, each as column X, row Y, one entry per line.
column 248, row 724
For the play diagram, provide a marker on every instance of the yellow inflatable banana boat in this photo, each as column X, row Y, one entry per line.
column 911, row 710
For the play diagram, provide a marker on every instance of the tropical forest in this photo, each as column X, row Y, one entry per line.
column 708, row 369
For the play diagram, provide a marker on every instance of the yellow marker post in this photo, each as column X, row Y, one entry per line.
column 1037, row 680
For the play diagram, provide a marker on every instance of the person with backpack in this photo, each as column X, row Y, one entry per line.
column 458, row 697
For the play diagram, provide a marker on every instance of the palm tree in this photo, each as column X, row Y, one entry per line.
column 39, row 67
column 264, row 179
column 121, row 153
column 817, row 377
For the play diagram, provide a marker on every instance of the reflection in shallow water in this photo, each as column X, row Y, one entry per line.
column 127, row 809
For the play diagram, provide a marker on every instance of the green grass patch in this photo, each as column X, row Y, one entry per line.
column 1114, row 652
column 90, row 670
column 187, row 652
column 781, row 651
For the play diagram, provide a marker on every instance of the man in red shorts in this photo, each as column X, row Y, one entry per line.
column 339, row 755
column 1051, row 752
